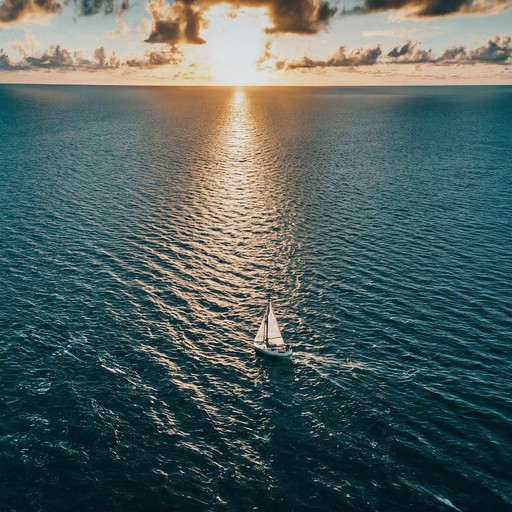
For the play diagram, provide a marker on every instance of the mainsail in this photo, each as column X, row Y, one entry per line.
column 270, row 328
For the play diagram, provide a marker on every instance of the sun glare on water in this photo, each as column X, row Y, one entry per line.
column 235, row 42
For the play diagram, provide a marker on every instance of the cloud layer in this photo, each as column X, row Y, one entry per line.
column 12, row 11
column 432, row 8
column 15, row 10
column 91, row 7
column 156, row 59
column 496, row 50
column 58, row 58
column 356, row 58
column 182, row 23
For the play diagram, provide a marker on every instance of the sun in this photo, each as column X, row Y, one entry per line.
column 235, row 40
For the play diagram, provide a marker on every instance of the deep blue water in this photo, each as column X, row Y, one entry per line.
column 140, row 232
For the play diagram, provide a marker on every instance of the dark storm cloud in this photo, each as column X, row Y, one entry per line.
column 165, row 31
column 12, row 11
column 15, row 10
column 432, row 8
column 297, row 16
column 356, row 58
column 92, row 7
column 182, row 23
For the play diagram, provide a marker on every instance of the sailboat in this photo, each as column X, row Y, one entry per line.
column 269, row 340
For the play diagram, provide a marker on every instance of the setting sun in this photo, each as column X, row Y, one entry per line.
column 235, row 42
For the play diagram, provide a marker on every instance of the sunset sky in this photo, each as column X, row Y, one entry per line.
column 256, row 42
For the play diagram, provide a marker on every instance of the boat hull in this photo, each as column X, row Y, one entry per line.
column 272, row 353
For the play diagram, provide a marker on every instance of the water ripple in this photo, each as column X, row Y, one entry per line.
column 141, row 231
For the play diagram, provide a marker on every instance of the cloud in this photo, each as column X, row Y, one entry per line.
column 356, row 58
column 410, row 53
column 432, row 8
column 156, row 59
column 91, row 7
column 15, row 10
column 26, row 47
column 454, row 55
column 54, row 57
column 265, row 57
column 182, row 23
column 12, row 11
column 58, row 58
column 496, row 50
column 298, row 16
column 100, row 56
column 5, row 62
column 122, row 29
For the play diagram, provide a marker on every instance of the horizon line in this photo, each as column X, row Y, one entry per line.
column 268, row 86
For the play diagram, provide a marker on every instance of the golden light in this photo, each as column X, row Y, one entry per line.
column 232, row 184
column 235, row 42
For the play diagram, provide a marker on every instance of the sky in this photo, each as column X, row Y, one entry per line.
column 256, row 42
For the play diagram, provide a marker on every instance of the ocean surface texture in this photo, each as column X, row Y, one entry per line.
column 141, row 230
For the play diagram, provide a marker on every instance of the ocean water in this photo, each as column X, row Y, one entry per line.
column 141, row 230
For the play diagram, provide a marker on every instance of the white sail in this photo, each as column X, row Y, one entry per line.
column 274, row 334
column 262, row 330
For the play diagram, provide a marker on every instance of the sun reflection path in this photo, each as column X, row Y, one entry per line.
column 242, row 237
column 236, row 160
column 234, row 198
column 239, row 129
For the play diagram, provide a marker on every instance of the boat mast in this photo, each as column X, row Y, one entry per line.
column 266, row 322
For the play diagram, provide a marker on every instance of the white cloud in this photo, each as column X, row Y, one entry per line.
column 122, row 29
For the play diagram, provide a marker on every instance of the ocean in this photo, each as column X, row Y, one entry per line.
column 141, row 232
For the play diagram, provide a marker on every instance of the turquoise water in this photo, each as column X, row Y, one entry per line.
column 140, row 232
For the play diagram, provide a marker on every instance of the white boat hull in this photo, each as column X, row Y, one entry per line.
column 273, row 353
